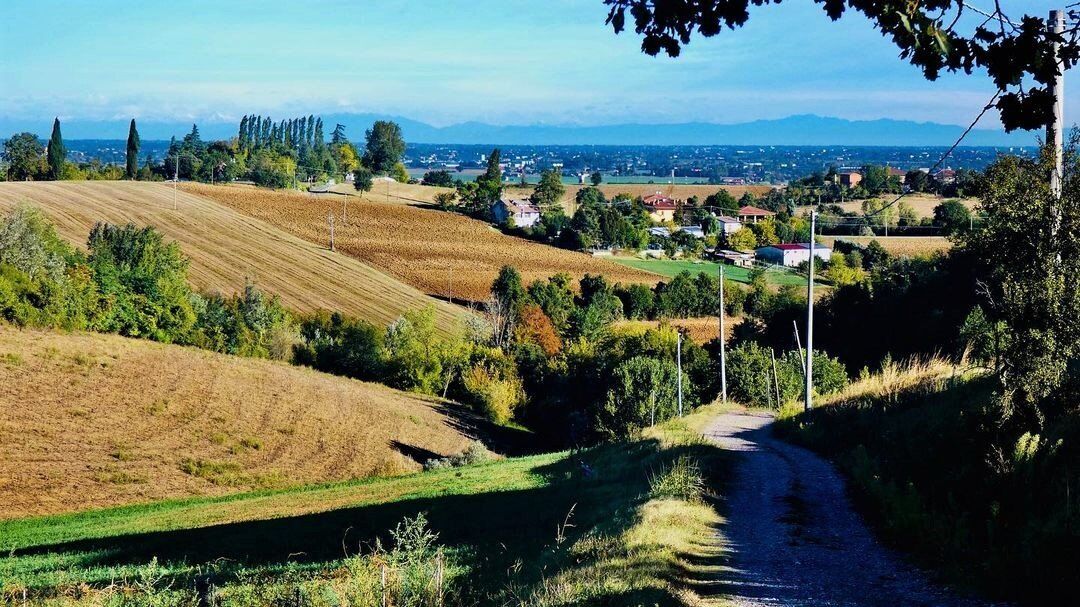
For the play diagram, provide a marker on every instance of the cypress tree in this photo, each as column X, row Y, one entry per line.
column 56, row 153
column 133, row 145
column 243, row 136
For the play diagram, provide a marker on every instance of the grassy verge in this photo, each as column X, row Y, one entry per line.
column 628, row 523
column 936, row 466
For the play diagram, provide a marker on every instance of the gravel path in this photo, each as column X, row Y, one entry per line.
column 794, row 538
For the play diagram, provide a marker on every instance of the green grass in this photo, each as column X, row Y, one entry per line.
column 536, row 528
column 672, row 267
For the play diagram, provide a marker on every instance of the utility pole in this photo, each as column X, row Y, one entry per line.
column 723, row 340
column 798, row 344
column 176, row 178
column 330, row 218
column 776, row 378
column 810, row 316
column 678, row 364
column 1057, row 89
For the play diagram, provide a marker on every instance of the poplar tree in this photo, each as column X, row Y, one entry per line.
column 56, row 153
column 133, row 145
column 310, row 130
column 243, row 137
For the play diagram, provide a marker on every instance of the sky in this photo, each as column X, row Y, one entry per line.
column 448, row 61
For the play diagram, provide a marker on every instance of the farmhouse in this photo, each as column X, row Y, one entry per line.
column 523, row 213
column 792, row 254
column 729, row 225
column 849, row 179
column 750, row 214
column 660, row 207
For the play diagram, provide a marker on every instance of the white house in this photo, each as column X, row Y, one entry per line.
column 792, row 254
column 729, row 225
column 695, row 231
column 523, row 213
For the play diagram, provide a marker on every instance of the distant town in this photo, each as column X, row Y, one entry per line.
column 716, row 165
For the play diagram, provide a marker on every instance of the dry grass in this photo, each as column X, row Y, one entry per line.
column 679, row 191
column 388, row 190
column 894, row 379
column 430, row 250
column 897, row 245
column 226, row 247
column 922, row 204
column 700, row 330
column 97, row 420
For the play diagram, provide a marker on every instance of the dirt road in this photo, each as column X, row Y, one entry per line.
column 794, row 538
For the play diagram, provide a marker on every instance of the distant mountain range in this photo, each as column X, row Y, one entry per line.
column 806, row 129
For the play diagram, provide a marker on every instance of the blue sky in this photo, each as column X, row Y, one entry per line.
column 495, row 61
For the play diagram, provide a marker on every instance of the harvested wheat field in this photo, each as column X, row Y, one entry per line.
column 226, row 248
column 922, row 204
column 440, row 253
column 897, row 245
column 90, row 420
column 388, row 190
column 700, row 330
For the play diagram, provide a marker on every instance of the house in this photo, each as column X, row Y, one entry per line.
column 695, row 231
column 750, row 214
column 895, row 172
column 849, row 179
column 660, row 232
column 741, row 259
column 660, row 207
column 792, row 254
column 522, row 213
column 729, row 225
column 945, row 176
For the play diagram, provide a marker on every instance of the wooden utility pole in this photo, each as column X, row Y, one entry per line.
column 330, row 218
column 1057, row 125
column 723, row 341
column 810, row 316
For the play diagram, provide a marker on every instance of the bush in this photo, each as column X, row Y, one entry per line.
column 475, row 453
column 682, row 480
column 495, row 397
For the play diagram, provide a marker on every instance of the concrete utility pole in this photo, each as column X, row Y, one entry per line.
column 723, row 341
column 798, row 344
column 1057, row 89
column 176, row 178
column 810, row 316
column 678, row 364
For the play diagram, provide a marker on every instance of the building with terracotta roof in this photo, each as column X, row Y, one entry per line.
column 752, row 214
column 661, row 208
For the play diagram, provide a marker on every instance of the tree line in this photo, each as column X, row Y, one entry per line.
column 279, row 154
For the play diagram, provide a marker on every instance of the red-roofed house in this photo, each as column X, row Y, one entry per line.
column 749, row 214
column 660, row 207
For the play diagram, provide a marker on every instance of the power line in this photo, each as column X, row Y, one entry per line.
column 948, row 152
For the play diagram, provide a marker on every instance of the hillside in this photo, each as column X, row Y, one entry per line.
column 89, row 420
column 226, row 248
column 434, row 251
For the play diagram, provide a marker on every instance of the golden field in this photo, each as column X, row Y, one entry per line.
column 91, row 420
column 226, row 248
column 440, row 253
column 922, row 204
column 897, row 245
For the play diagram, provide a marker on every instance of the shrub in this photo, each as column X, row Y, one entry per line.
column 494, row 397
column 475, row 453
column 682, row 480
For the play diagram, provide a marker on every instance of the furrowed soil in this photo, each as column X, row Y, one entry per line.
column 227, row 248
column 443, row 254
